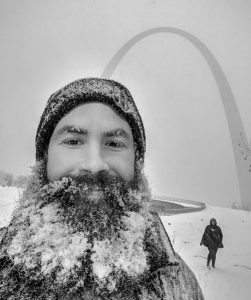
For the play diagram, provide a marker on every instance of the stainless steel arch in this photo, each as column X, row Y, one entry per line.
column 236, row 129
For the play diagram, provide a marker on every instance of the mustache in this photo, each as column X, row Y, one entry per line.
column 101, row 180
column 69, row 190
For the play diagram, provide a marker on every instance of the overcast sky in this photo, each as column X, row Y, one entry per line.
column 45, row 44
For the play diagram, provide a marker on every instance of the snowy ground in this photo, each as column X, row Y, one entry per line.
column 8, row 198
column 231, row 280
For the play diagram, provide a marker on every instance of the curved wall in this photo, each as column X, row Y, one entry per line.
column 237, row 133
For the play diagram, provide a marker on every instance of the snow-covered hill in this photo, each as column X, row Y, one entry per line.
column 231, row 280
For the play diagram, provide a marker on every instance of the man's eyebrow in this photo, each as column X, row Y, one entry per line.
column 71, row 129
column 117, row 132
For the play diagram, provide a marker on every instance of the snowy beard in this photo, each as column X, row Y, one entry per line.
column 82, row 211
column 61, row 236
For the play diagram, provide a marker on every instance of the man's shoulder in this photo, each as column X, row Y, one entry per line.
column 177, row 279
column 176, row 273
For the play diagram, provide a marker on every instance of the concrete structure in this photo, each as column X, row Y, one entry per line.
column 242, row 152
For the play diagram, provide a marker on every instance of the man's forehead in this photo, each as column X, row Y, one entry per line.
column 89, row 116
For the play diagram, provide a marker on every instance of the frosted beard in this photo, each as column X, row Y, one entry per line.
column 64, row 242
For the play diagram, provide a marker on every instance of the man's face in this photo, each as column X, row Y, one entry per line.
column 91, row 139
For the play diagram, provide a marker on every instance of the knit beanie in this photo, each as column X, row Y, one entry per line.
column 88, row 90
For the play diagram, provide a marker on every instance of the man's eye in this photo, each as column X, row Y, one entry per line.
column 115, row 144
column 72, row 142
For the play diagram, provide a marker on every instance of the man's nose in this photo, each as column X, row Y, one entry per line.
column 93, row 160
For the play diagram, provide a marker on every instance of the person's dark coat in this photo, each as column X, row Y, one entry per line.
column 212, row 237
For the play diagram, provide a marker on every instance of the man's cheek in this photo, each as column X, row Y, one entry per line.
column 125, row 171
column 58, row 168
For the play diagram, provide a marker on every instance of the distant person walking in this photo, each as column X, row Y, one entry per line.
column 212, row 239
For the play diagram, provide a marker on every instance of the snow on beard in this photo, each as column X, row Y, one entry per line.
column 64, row 236
column 93, row 204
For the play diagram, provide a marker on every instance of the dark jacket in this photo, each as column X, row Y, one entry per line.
column 212, row 237
column 169, row 278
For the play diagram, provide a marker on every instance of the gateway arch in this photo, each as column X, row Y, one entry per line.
column 242, row 152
